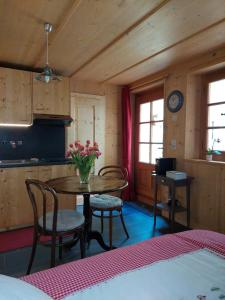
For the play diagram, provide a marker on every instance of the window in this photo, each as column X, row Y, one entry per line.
column 215, row 136
column 150, row 129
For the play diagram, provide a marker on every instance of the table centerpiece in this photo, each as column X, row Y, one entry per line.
column 83, row 158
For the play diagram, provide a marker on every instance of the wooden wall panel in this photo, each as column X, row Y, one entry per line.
column 175, row 123
column 221, row 215
column 206, row 195
column 193, row 117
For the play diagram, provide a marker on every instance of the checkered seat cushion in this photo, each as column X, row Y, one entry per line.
column 67, row 219
column 105, row 202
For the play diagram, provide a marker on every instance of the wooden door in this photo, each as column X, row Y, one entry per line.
column 52, row 98
column 149, row 108
column 15, row 96
column 88, row 113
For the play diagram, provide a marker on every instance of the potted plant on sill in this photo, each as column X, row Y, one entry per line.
column 83, row 158
column 211, row 151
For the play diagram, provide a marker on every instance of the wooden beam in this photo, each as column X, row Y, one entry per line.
column 148, row 80
column 62, row 23
column 122, row 35
column 167, row 48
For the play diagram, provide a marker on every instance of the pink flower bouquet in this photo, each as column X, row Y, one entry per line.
column 83, row 158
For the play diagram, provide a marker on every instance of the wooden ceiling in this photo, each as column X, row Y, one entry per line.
column 115, row 41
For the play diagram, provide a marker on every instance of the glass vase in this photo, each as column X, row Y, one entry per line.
column 84, row 173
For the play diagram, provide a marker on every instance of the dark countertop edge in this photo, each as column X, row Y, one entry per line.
column 34, row 164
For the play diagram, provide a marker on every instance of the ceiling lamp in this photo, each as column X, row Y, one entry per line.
column 47, row 75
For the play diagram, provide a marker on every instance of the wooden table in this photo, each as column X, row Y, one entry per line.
column 96, row 185
column 172, row 208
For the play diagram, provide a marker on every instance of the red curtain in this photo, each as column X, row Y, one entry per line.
column 127, row 139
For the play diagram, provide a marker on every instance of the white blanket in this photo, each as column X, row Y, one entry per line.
column 16, row 289
column 186, row 277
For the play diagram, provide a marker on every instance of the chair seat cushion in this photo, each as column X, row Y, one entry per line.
column 105, row 202
column 67, row 219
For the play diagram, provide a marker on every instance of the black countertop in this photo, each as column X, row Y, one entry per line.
column 34, row 162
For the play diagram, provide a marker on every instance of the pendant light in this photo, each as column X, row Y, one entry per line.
column 47, row 75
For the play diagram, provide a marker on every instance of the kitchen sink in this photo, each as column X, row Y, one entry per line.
column 17, row 161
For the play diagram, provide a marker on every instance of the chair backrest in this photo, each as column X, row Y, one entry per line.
column 40, row 195
column 114, row 171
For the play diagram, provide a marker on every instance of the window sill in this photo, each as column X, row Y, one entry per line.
column 203, row 161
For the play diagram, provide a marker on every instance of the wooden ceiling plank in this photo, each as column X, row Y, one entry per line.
column 166, row 49
column 59, row 28
column 194, row 48
column 123, row 34
column 149, row 80
column 174, row 22
column 21, row 34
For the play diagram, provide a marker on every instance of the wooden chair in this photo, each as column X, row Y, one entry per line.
column 55, row 223
column 109, row 203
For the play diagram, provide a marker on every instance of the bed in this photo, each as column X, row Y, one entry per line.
column 93, row 275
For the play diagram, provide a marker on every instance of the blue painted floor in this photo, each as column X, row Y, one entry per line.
column 139, row 222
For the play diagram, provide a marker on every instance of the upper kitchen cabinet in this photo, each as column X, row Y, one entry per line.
column 15, row 96
column 51, row 98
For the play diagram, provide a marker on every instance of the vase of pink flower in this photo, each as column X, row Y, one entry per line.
column 83, row 158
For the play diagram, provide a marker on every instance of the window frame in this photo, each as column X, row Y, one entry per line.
column 150, row 96
column 207, row 79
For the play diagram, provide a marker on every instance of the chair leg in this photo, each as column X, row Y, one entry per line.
column 110, row 229
column 33, row 251
column 123, row 223
column 53, row 246
column 85, row 233
column 102, row 221
column 60, row 247
column 82, row 245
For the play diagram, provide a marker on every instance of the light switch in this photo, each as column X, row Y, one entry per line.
column 173, row 144
column 174, row 118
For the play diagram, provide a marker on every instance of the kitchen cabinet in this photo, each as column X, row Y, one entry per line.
column 15, row 96
column 52, row 98
column 49, row 172
column 15, row 206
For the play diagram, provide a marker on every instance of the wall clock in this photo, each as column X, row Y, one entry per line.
column 175, row 101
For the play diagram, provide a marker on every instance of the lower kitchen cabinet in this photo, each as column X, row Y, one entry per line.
column 15, row 206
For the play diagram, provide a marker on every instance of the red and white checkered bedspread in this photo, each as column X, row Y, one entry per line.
column 65, row 279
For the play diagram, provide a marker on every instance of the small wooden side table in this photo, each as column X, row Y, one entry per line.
column 172, row 208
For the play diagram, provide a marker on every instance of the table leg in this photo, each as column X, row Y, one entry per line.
column 188, row 205
column 173, row 203
column 155, row 202
column 89, row 234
